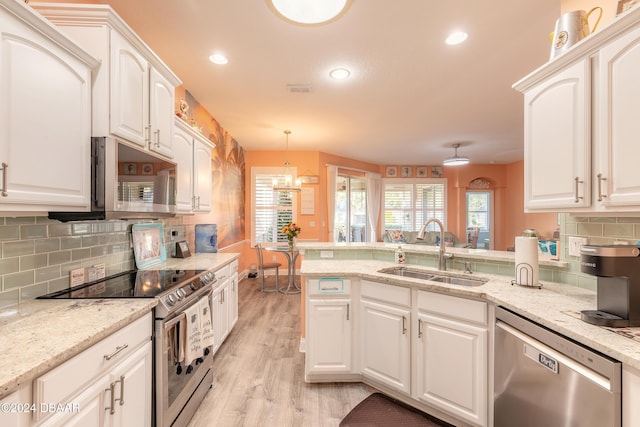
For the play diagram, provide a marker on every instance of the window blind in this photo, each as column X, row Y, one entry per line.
column 408, row 205
column 273, row 209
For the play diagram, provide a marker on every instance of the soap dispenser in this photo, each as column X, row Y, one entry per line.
column 399, row 255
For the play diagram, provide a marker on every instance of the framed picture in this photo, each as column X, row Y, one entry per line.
column 624, row 5
column 392, row 171
column 147, row 169
column 421, row 171
column 130, row 169
column 148, row 246
column 406, row 171
column 436, row 171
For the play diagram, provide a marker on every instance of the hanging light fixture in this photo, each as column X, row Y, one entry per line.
column 289, row 183
column 456, row 160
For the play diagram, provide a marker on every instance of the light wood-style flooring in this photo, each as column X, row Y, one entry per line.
column 259, row 371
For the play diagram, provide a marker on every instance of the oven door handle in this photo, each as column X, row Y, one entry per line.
column 171, row 323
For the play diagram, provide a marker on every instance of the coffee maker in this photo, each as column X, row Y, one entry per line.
column 617, row 268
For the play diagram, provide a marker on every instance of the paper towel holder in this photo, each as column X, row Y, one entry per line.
column 523, row 271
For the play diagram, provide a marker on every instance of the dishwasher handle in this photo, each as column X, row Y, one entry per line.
column 552, row 359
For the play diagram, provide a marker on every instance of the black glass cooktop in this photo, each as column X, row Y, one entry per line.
column 130, row 284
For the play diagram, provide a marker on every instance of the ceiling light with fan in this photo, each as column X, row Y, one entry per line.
column 456, row 160
column 289, row 183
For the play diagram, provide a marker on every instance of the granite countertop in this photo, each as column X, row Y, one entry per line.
column 39, row 335
column 467, row 253
column 554, row 306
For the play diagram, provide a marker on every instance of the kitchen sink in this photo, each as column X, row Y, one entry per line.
column 434, row 277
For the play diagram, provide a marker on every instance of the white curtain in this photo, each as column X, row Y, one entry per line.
column 332, row 177
column 374, row 198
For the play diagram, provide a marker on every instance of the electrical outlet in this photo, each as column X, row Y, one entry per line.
column 575, row 243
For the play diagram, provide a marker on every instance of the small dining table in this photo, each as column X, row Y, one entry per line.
column 292, row 256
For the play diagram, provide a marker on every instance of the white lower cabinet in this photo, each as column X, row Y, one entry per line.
column 224, row 302
column 329, row 327
column 630, row 396
column 452, row 355
column 109, row 384
column 16, row 409
column 432, row 348
column 385, row 344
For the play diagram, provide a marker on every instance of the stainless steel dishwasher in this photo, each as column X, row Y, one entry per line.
column 545, row 379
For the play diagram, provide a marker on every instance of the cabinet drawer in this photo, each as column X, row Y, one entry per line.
column 233, row 267
column 329, row 286
column 222, row 273
column 386, row 293
column 453, row 307
column 66, row 380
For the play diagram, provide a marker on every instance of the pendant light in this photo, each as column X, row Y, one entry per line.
column 456, row 160
column 289, row 183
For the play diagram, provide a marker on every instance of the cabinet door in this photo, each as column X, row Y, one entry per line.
column 221, row 310
column 133, row 389
column 557, row 141
column 45, row 123
column 183, row 156
column 233, row 300
column 329, row 336
column 385, row 346
column 161, row 115
column 452, row 367
column 619, row 102
column 129, row 92
column 202, row 176
column 18, row 399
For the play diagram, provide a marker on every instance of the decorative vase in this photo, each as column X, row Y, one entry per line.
column 291, row 243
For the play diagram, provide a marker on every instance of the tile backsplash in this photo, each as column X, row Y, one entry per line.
column 36, row 254
column 598, row 231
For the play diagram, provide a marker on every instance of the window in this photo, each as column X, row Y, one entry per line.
column 409, row 203
column 350, row 218
column 272, row 209
column 478, row 210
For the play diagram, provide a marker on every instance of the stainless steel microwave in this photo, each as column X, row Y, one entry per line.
column 126, row 183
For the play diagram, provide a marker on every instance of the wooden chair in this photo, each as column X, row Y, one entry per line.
column 262, row 266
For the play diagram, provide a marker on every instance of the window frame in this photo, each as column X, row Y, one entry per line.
column 272, row 172
column 414, row 182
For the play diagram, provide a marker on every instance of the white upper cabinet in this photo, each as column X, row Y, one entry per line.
column 192, row 153
column 618, row 182
column 557, row 149
column 45, row 115
column 134, row 91
column 581, row 125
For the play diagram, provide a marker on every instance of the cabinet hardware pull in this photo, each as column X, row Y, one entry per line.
column 157, row 134
column 348, row 311
column 121, row 398
column 117, row 350
column 111, row 389
column 147, row 134
column 198, row 202
column 600, row 179
column 193, row 202
column 578, row 182
column 4, row 179
column 419, row 328
column 404, row 325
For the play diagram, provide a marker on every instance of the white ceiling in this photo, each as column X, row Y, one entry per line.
column 409, row 98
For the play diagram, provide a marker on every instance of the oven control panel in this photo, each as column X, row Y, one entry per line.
column 182, row 292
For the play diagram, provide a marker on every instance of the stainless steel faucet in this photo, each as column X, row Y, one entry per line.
column 442, row 260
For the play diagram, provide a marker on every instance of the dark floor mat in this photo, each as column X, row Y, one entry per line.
column 378, row 410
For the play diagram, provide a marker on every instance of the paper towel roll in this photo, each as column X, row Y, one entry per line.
column 527, row 269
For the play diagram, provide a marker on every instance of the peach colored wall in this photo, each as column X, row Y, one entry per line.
column 516, row 219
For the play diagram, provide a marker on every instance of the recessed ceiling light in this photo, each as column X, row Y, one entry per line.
column 340, row 73
column 309, row 11
column 456, row 38
column 218, row 58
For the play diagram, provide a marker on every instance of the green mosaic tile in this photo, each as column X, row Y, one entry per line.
column 19, row 220
column 9, row 265
column 9, row 232
column 618, row 230
column 33, row 232
column 47, row 245
column 58, row 284
column 34, row 291
column 79, row 254
column 59, row 257
column 17, row 280
column 47, row 273
column 11, row 249
column 590, row 229
column 30, row 262
column 9, row 298
column 60, row 230
column 88, row 241
column 70, row 242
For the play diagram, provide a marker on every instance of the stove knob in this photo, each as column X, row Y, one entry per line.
column 171, row 300
column 193, row 286
column 179, row 294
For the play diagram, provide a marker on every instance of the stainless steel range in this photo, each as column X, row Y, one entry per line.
column 179, row 386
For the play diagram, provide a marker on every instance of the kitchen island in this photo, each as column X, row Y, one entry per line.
column 411, row 338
